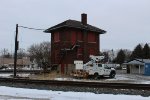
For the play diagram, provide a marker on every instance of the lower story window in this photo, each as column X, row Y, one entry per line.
column 91, row 51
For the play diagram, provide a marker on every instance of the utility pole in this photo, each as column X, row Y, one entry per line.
column 16, row 48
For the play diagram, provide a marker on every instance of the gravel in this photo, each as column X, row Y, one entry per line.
column 144, row 93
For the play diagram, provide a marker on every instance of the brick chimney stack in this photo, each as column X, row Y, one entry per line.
column 84, row 19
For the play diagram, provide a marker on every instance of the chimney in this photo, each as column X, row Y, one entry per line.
column 84, row 19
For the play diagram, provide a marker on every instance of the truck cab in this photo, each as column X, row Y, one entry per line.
column 99, row 69
column 93, row 68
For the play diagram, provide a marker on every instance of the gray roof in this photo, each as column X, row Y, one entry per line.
column 75, row 24
column 144, row 60
column 137, row 62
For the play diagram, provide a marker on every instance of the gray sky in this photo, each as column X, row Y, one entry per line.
column 127, row 22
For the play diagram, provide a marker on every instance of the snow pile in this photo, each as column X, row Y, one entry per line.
column 33, row 94
column 7, row 75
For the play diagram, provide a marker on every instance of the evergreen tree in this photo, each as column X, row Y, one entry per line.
column 137, row 52
column 120, row 57
column 127, row 54
column 146, row 52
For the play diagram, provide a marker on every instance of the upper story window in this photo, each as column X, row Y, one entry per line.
column 67, row 36
column 56, row 37
column 79, row 36
column 91, row 37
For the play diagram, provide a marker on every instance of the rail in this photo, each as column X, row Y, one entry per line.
column 77, row 83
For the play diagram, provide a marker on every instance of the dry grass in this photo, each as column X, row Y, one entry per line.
column 47, row 76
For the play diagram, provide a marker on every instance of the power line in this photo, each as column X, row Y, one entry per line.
column 30, row 28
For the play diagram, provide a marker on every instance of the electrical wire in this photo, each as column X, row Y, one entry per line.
column 30, row 28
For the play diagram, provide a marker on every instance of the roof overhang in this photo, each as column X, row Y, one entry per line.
column 50, row 30
column 134, row 62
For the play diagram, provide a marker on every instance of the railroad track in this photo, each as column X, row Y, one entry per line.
column 77, row 83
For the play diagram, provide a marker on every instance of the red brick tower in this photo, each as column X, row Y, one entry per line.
column 73, row 40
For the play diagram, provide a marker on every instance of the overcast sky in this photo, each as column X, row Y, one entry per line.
column 127, row 22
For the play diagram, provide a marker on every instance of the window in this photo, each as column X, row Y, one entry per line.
column 56, row 37
column 65, row 36
column 106, row 67
column 91, row 51
column 80, row 57
column 80, row 36
column 91, row 37
column 99, row 65
column 79, row 53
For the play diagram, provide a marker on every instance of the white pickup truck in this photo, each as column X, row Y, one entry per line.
column 93, row 68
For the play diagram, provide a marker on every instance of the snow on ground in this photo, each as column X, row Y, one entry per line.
column 11, row 93
column 132, row 78
column 119, row 78
column 10, row 74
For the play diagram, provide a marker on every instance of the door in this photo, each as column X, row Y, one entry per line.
column 100, row 69
column 107, row 70
column 128, row 69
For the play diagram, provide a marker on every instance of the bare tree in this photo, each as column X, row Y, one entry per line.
column 21, row 53
column 5, row 53
column 41, row 54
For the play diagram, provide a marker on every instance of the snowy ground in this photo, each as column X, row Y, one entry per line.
column 10, row 93
column 119, row 78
